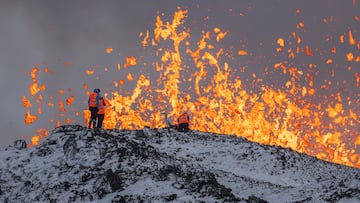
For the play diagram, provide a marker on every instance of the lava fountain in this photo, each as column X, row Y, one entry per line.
column 285, row 105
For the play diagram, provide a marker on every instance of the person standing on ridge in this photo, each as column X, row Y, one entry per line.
column 183, row 122
column 101, row 112
column 93, row 103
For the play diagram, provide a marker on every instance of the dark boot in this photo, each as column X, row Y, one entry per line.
column 93, row 121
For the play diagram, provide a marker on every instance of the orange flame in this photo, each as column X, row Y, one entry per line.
column 41, row 133
column 130, row 61
column 34, row 87
column 242, row 53
column 70, row 100
column 90, row 72
column 29, row 119
column 352, row 41
column 281, row 42
column 293, row 115
column 35, row 140
column 350, row 56
column 109, row 50
column 26, row 102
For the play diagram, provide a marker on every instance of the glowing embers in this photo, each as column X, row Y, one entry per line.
column 199, row 77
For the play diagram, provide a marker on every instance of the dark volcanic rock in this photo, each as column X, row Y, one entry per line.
column 114, row 180
column 20, row 144
column 77, row 164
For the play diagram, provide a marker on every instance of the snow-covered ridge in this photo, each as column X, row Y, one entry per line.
column 75, row 164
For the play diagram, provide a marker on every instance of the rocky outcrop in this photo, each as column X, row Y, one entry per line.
column 76, row 164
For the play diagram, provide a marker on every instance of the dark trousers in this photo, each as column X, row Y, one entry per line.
column 183, row 127
column 93, row 116
column 100, row 120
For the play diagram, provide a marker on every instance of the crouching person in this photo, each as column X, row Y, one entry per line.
column 183, row 122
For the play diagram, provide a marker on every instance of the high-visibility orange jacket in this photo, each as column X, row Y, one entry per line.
column 93, row 100
column 183, row 118
column 101, row 107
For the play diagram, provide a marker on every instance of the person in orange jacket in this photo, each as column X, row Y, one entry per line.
column 183, row 122
column 93, row 103
column 101, row 112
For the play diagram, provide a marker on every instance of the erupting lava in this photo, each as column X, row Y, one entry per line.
column 200, row 76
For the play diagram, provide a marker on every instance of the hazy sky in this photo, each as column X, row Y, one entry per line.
column 49, row 33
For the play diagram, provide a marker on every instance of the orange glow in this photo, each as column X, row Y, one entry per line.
column 109, row 50
column 357, row 59
column 70, row 100
column 67, row 63
column 39, row 102
column 308, row 51
column 352, row 41
column 300, row 25
column 242, row 53
column 34, row 87
column 357, row 78
column 350, row 56
column 29, row 119
column 61, row 106
column 144, row 42
column 35, row 140
column 47, row 70
column 41, row 134
column 26, row 102
column 61, row 92
column 130, row 61
column 130, row 77
column 342, row 39
column 281, row 42
column 293, row 114
column 50, row 104
column 90, row 72
column 220, row 34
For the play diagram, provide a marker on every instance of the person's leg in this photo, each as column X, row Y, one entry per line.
column 100, row 120
column 186, row 127
column 94, row 122
column 181, row 127
column 93, row 117
column 90, row 123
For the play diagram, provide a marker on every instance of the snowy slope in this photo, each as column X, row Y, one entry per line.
column 75, row 164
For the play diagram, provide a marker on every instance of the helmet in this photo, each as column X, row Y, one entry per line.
column 97, row 90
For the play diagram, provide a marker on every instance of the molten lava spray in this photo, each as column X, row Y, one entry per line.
column 199, row 75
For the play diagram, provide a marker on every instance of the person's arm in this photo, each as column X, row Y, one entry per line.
column 97, row 100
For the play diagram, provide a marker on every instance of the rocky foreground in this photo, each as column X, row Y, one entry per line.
column 75, row 164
